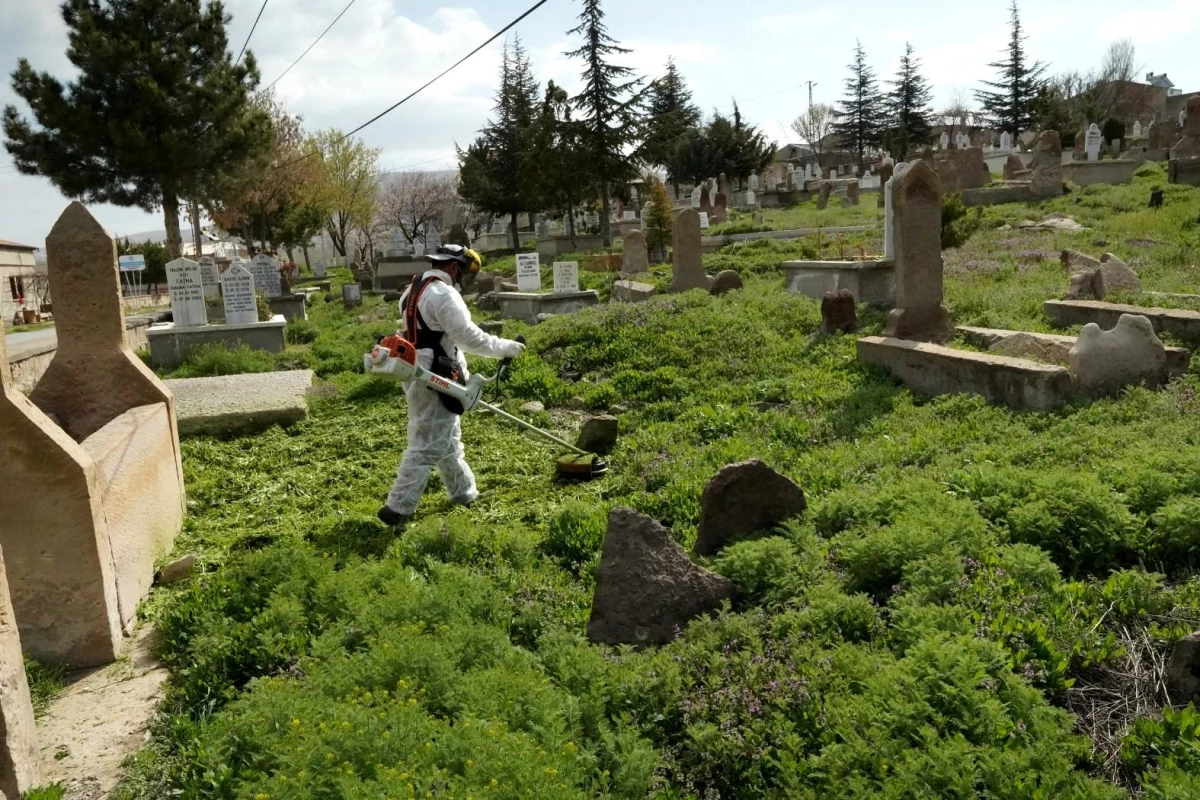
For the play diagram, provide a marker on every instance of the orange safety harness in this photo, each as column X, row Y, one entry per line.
column 423, row 337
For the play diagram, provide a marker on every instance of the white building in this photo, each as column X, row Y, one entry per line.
column 17, row 268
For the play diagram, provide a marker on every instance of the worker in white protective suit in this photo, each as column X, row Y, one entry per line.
column 438, row 323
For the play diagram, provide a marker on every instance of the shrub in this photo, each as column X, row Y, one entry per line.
column 958, row 222
column 766, row 571
column 575, row 534
column 301, row 331
column 211, row 360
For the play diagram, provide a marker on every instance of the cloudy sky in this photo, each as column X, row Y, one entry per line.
column 760, row 52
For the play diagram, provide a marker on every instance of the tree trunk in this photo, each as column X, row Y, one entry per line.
column 516, row 234
column 307, row 263
column 194, row 214
column 170, row 203
column 605, row 211
column 571, row 224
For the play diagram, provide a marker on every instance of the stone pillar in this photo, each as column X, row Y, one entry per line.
column 20, row 770
column 635, row 259
column 1046, row 178
column 889, row 222
column 917, row 206
column 689, row 268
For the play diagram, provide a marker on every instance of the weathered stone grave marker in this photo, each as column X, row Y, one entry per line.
column 688, row 267
column 265, row 270
column 1093, row 142
column 187, row 293
column 635, row 258
column 319, row 270
column 351, row 295
column 704, row 221
column 1046, row 179
column 210, row 277
column 237, row 288
column 566, row 277
column 529, row 272
column 917, row 206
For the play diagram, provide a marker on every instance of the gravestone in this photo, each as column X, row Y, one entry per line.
column 838, row 313
column 1013, row 166
column 696, row 197
column 187, row 293
column 351, row 295
column 237, row 289
column 566, row 277
column 319, row 270
column 754, row 182
column 265, row 270
column 688, row 266
column 886, row 170
column 944, row 141
column 823, row 196
column 744, row 500
column 751, row 199
column 529, row 272
column 1006, row 141
column 1104, row 362
column 704, row 221
column 917, row 205
column 210, row 277
column 635, row 260
column 1046, row 177
column 705, row 201
column 1093, row 142
column 722, row 184
column 1189, row 145
column 720, row 210
column 1137, row 129
column 1154, row 135
column 851, row 194
column 889, row 220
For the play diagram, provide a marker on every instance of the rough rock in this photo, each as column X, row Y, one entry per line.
column 838, row 313
column 544, row 316
column 599, row 434
column 826, row 189
column 1013, row 166
column 485, row 282
column 487, row 302
column 1022, row 345
column 533, row 407
column 1055, row 222
column 1116, row 276
column 1074, row 261
column 632, row 291
column 1104, row 362
column 178, row 570
column 741, row 500
column 1084, row 285
column 232, row 403
column 726, row 281
column 1183, row 669
column 647, row 589
column 618, row 409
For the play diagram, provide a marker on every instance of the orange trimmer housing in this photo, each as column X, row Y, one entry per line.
column 401, row 348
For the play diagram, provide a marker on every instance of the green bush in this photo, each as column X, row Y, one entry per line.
column 958, row 222
column 211, row 360
column 301, row 331
column 575, row 534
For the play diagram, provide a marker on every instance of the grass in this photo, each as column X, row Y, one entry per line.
column 46, row 683
column 967, row 587
column 27, row 328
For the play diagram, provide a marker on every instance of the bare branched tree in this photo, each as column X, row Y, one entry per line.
column 414, row 202
column 957, row 115
column 814, row 125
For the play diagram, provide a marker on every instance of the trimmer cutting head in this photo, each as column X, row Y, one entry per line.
column 579, row 468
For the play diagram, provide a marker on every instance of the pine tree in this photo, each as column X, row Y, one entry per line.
column 862, row 113
column 159, row 110
column 723, row 145
column 660, row 221
column 495, row 169
column 611, row 103
column 671, row 115
column 909, row 107
column 1011, row 105
column 560, row 156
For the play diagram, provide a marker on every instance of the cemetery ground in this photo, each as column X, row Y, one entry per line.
column 973, row 605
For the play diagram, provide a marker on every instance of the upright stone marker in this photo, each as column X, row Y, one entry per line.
column 705, row 200
column 319, row 269
column 265, row 270
column 237, row 285
column 351, row 295
column 1093, row 142
column 529, row 272
column 889, row 221
column 689, row 268
column 566, row 277
column 1006, row 141
column 917, row 206
column 1046, row 179
column 704, row 221
column 636, row 258
column 1189, row 145
column 187, row 293
column 210, row 277
column 696, row 197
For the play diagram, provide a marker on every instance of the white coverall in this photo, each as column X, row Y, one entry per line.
column 435, row 433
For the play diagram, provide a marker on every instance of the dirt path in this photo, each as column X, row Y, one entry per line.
column 101, row 719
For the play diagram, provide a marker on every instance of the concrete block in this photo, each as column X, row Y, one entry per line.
column 169, row 345
column 238, row 403
column 632, row 291
column 528, row 306
column 1178, row 358
column 936, row 370
column 871, row 282
column 1066, row 313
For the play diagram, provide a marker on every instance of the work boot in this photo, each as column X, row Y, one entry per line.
column 392, row 518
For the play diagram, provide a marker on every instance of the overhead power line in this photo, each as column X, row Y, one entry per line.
column 310, row 47
column 261, row 9
column 425, row 86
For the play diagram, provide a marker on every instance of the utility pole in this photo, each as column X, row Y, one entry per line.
column 810, row 85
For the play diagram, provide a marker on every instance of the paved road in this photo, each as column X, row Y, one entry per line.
column 30, row 343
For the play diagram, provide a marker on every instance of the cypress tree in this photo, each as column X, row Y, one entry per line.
column 159, row 110
column 909, row 106
column 671, row 115
column 862, row 112
column 1011, row 102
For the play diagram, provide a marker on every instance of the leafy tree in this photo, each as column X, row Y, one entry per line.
column 610, row 102
column 909, row 107
column 1011, row 101
column 159, row 110
column 671, row 116
column 814, row 125
column 496, row 170
column 660, row 219
column 561, row 156
column 722, row 145
column 862, row 110
column 156, row 256
column 349, row 178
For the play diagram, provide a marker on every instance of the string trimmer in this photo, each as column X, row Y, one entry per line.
column 395, row 357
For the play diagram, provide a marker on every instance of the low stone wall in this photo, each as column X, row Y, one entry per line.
column 169, row 346
column 871, row 282
column 1178, row 358
column 1082, row 173
column 1066, row 313
column 709, row 244
column 528, row 306
column 935, row 370
column 994, row 195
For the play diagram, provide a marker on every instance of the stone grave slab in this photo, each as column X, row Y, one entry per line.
column 240, row 403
